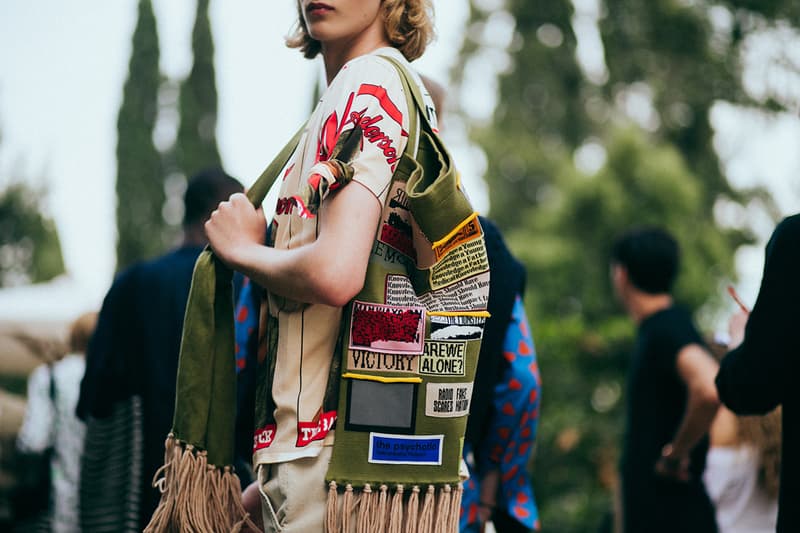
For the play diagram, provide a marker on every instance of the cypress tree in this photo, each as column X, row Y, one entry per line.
column 196, row 145
column 140, row 183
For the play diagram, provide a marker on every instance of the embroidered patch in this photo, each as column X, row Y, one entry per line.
column 263, row 437
column 447, row 400
column 399, row 291
column 456, row 327
column 396, row 232
column 359, row 360
column 469, row 231
column 405, row 449
column 443, row 358
column 387, row 328
column 463, row 261
column 469, row 293
column 372, row 406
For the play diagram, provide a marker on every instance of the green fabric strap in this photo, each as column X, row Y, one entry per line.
column 205, row 401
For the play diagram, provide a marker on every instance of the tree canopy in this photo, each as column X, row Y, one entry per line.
column 576, row 154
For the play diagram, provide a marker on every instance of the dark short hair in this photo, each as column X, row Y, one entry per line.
column 651, row 256
column 204, row 192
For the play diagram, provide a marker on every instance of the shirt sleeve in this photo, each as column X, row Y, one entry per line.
column 753, row 377
column 36, row 433
column 671, row 337
column 366, row 129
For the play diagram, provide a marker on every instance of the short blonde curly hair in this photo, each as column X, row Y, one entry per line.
column 409, row 27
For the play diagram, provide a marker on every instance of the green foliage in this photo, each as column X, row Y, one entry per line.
column 196, row 147
column 30, row 251
column 671, row 60
column 142, row 231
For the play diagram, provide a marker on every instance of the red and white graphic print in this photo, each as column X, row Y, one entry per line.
column 264, row 437
column 308, row 432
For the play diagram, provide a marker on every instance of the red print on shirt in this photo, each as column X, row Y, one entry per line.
column 332, row 126
column 317, row 429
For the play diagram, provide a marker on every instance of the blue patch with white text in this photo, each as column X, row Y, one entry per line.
column 385, row 448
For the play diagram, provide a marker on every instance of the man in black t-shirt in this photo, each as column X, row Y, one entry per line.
column 671, row 396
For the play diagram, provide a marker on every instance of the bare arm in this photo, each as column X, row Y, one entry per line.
column 329, row 271
column 697, row 369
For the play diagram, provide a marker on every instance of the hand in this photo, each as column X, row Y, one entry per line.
column 736, row 327
column 234, row 227
column 671, row 465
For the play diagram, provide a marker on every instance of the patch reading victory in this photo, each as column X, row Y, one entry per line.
column 447, row 400
column 387, row 328
column 360, row 360
column 405, row 449
column 443, row 358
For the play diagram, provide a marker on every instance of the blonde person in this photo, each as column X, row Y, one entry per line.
column 742, row 468
column 316, row 258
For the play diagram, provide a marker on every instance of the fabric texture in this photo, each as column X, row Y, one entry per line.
column 355, row 133
column 732, row 481
column 293, row 499
column 759, row 375
column 410, row 341
column 656, row 402
column 511, row 432
column 134, row 352
column 111, row 474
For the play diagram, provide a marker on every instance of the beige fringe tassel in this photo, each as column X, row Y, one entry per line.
column 366, row 509
column 396, row 512
column 196, row 496
column 379, row 511
column 412, row 511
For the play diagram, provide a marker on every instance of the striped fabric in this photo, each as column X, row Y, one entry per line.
column 110, row 473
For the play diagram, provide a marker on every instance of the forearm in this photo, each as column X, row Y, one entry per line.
column 300, row 273
column 700, row 412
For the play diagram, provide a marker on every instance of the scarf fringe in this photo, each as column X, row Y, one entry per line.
column 195, row 495
column 392, row 509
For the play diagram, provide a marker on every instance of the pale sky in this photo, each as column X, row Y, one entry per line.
column 63, row 65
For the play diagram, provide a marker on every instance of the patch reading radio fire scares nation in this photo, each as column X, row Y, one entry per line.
column 387, row 328
column 443, row 358
column 447, row 400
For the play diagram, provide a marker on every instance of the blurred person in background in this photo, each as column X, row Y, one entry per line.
column 128, row 393
column 50, row 422
column 759, row 373
column 743, row 467
column 671, row 398
column 504, row 409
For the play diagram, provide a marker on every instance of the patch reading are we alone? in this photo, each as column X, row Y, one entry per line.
column 387, row 328
column 391, row 449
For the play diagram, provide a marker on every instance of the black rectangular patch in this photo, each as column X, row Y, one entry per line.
column 376, row 406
